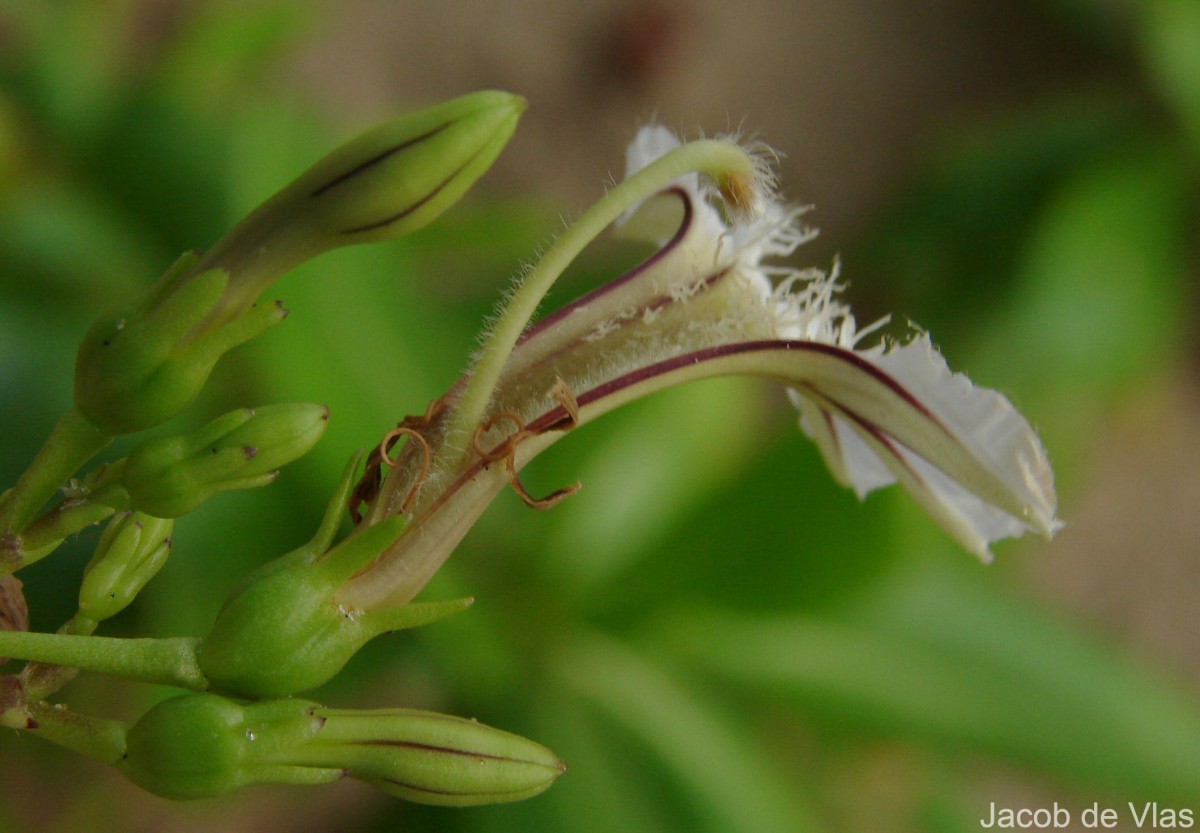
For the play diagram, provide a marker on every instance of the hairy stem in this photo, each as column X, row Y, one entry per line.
column 722, row 161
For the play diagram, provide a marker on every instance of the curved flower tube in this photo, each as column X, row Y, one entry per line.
column 713, row 301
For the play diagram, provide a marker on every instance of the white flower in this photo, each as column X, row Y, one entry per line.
column 863, row 451
column 712, row 300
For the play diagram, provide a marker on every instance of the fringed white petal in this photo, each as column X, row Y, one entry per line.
column 984, row 421
column 867, row 455
column 879, row 416
column 652, row 142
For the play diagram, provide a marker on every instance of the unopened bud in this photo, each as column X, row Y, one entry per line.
column 203, row 745
column 141, row 365
column 171, row 476
column 433, row 758
column 384, row 184
column 131, row 551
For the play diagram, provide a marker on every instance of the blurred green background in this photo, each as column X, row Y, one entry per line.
column 712, row 634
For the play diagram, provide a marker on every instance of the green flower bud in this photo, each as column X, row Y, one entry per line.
column 131, row 551
column 171, row 476
column 433, row 758
column 140, row 366
column 143, row 364
column 282, row 631
column 203, row 745
column 382, row 185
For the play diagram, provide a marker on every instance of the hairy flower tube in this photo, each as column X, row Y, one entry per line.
column 713, row 300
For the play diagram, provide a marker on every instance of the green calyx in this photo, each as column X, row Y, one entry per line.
column 203, row 745
column 282, row 631
column 142, row 365
column 169, row 477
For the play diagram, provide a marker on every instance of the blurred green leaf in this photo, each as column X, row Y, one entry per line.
column 1100, row 296
column 947, row 661
column 71, row 52
column 782, row 534
column 603, row 792
column 1171, row 50
column 947, row 252
column 732, row 786
column 223, row 45
column 641, row 486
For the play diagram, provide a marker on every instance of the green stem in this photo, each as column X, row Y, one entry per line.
column 98, row 739
column 163, row 661
column 73, row 442
column 41, row 679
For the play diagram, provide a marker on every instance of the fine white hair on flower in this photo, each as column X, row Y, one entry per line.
column 863, row 452
column 715, row 298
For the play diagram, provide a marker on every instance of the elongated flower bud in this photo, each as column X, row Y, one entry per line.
column 203, row 745
column 142, row 364
column 131, row 551
column 433, row 758
column 171, row 476
column 382, row 185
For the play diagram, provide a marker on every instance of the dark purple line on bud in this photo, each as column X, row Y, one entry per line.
column 466, row 753
column 387, row 221
column 375, row 160
column 424, row 789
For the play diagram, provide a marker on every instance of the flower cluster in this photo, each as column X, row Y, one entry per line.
column 715, row 298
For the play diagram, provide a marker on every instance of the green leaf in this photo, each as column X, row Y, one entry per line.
column 1098, row 306
column 1171, row 46
column 662, row 461
column 731, row 785
column 945, row 661
column 604, row 792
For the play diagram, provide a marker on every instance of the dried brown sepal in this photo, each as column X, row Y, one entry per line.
column 414, row 436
